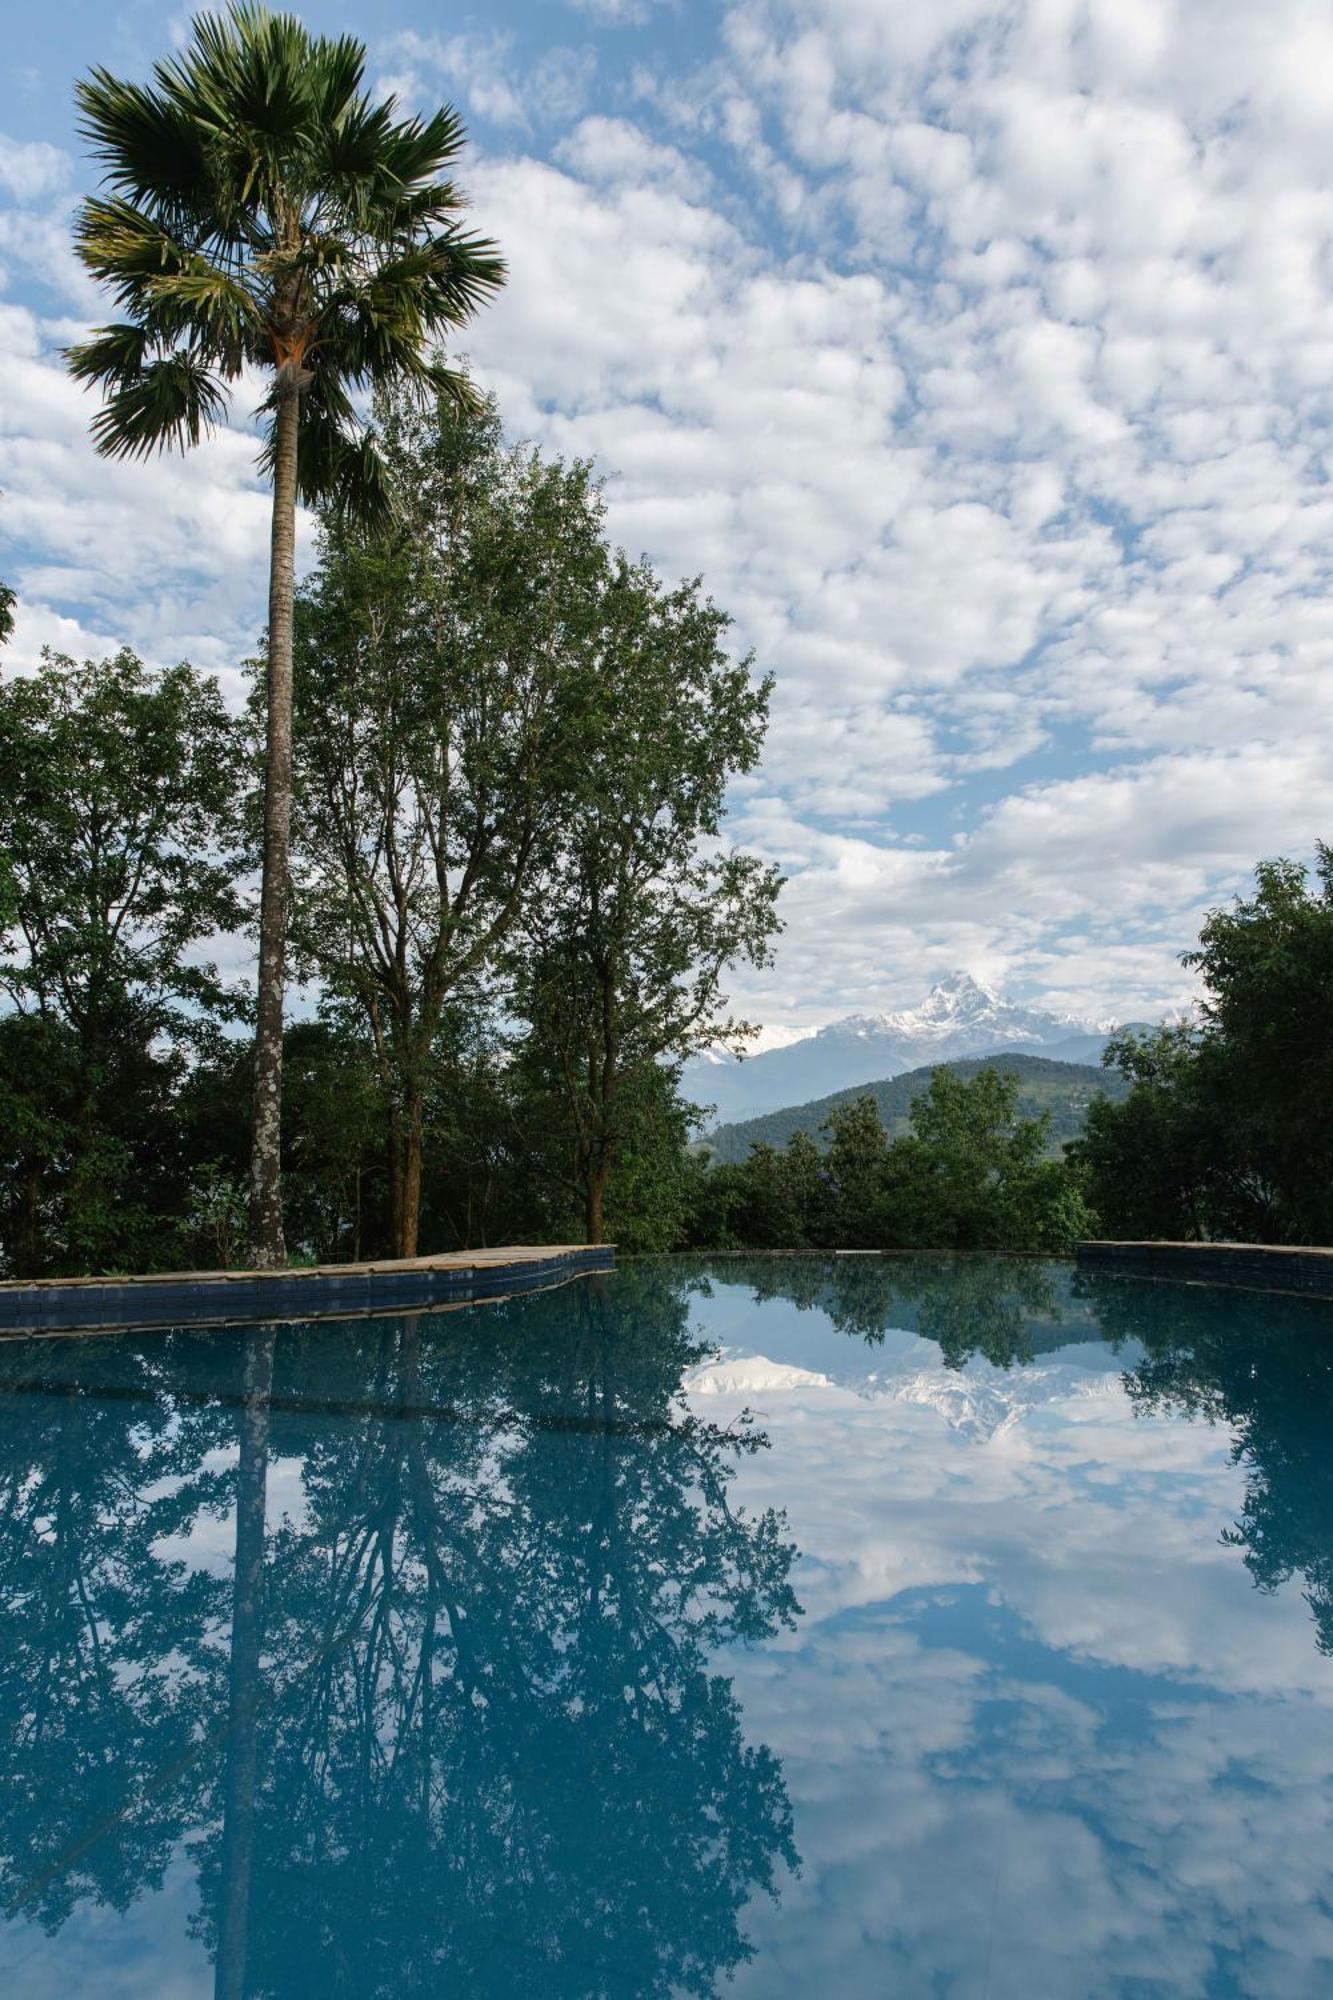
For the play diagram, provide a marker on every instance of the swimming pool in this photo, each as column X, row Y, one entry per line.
column 851, row 1627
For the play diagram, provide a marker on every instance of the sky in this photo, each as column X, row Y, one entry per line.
column 1086, row 1753
column 977, row 355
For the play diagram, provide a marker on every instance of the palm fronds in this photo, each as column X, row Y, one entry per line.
column 259, row 206
column 170, row 401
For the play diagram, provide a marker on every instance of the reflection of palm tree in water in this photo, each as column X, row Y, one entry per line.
column 489, row 1754
column 244, row 1681
column 518, row 1771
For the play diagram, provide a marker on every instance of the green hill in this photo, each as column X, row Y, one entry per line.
column 1064, row 1089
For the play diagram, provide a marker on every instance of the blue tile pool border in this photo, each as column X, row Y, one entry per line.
column 330, row 1292
column 1251, row 1267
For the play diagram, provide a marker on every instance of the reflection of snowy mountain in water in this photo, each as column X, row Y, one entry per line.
column 979, row 1401
column 749, row 1375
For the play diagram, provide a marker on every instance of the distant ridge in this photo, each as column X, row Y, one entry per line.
column 1064, row 1089
column 961, row 1016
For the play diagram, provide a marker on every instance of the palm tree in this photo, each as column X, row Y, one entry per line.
column 261, row 210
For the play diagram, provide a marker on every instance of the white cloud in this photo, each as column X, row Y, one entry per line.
column 30, row 170
column 167, row 554
column 1086, row 1753
column 486, row 71
column 621, row 13
column 977, row 356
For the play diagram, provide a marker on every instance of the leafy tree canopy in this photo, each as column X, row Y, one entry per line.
column 117, row 799
column 1225, row 1131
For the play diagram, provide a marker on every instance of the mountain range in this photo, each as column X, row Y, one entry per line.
column 1061, row 1090
column 960, row 1016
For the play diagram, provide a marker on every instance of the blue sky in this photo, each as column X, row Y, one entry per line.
column 979, row 357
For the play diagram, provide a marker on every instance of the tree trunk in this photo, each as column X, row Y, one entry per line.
column 396, row 1151
column 267, row 1248
column 410, row 1216
column 246, row 1686
column 594, row 1200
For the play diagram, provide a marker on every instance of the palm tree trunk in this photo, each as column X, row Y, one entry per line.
column 267, row 1247
column 246, row 1683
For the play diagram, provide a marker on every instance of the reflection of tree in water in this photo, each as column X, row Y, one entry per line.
column 970, row 1305
column 1263, row 1365
column 491, row 1756
column 93, row 1699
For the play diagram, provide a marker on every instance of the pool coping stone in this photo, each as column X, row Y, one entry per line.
column 1305, row 1269
column 179, row 1298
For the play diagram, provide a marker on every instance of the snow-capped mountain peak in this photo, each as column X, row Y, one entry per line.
column 959, row 993
column 960, row 1016
column 961, row 1005
column 956, row 998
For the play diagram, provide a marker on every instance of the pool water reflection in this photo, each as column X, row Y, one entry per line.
column 913, row 1627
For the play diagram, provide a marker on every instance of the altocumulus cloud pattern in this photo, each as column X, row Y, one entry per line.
column 978, row 355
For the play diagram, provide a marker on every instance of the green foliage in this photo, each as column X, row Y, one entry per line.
column 260, row 209
column 753, row 1208
column 1225, row 1131
column 217, row 1212
column 442, row 668
column 90, row 1159
column 1065, row 1090
column 1159, row 1163
column 975, row 1176
column 117, row 797
column 263, row 209
column 971, row 1175
column 622, row 957
column 857, row 1165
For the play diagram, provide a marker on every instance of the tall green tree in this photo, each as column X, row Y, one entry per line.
column 117, row 796
column 974, row 1175
column 623, row 956
column 261, row 209
column 117, row 815
column 1225, row 1131
column 857, row 1165
column 1267, row 968
column 443, row 667
column 1164, row 1161
column 7, row 603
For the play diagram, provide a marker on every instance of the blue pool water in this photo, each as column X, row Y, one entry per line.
column 776, row 1626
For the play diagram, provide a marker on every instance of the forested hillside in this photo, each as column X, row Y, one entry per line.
column 1064, row 1089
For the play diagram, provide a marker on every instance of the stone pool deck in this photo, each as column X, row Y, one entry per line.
column 319, row 1291
column 1251, row 1267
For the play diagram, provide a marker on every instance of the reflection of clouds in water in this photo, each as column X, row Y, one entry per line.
column 101, row 1953
column 210, row 1540
column 1004, row 1827
column 1102, row 1528
column 1085, row 1754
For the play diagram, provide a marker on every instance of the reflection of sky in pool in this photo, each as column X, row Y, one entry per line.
column 852, row 1628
